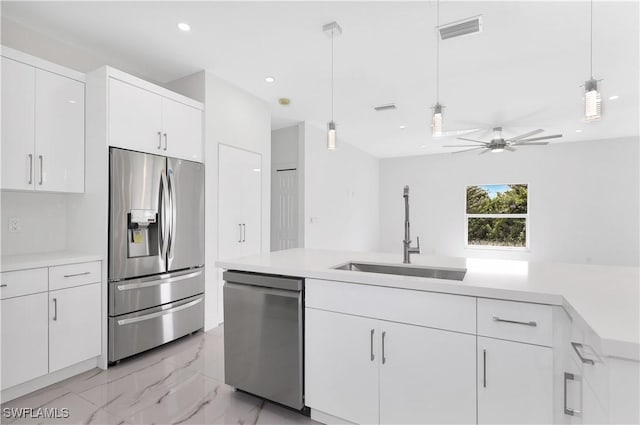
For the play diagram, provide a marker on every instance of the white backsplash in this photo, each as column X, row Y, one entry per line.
column 43, row 222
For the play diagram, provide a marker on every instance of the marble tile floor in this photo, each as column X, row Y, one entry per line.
column 179, row 383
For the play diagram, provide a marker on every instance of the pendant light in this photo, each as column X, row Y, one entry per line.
column 332, row 29
column 592, row 98
column 436, row 120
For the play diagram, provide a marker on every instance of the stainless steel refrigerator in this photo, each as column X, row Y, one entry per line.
column 156, row 251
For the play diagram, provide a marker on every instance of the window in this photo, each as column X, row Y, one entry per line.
column 497, row 216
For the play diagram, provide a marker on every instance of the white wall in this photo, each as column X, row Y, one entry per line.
column 341, row 195
column 237, row 118
column 583, row 200
column 43, row 218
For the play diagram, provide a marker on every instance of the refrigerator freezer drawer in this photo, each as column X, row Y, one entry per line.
column 137, row 294
column 137, row 332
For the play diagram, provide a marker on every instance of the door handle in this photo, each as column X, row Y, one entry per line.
column 173, row 220
column 515, row 322
column 166, row 142
column 484, row 368
column 570, row 377
column 240, row 237
column 163, row 216
column 373, row 356
column 41, row 167
column 384, row 359
column 159, row 140
column 30, row 168
column 244, row 232
column 55, row 309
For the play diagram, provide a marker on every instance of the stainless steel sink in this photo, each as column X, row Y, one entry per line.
column 417, row 271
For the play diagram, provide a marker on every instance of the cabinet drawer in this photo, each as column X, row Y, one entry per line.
column 70, row 275
column 23, row 282
column 432, row 309
column 515, row 321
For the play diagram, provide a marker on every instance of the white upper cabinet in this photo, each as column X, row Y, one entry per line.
column 18, row 125
column 145, row 121
column 59, row 133
column 135, row 118
column 42, row 126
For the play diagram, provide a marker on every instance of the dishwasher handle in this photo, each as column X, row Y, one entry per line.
column 264, row 280
column 263, row 290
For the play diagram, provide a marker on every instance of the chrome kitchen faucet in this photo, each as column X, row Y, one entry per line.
column 407, row 248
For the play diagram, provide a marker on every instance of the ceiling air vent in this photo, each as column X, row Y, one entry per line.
column 388, row 107
column 459, row 28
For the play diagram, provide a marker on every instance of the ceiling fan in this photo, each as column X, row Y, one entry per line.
column 499, row 144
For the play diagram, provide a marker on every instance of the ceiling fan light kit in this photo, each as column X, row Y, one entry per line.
column 332, row 29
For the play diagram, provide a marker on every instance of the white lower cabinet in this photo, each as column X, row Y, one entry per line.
column 24, row 338
column 371, row 371
column 341, row 364
column 74, row 326
column 515, row 382
column 427, row 376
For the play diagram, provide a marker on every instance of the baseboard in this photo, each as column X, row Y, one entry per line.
column 328, row 419
column 48, row 379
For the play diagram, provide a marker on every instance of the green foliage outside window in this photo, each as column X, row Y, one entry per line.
column 496, row 200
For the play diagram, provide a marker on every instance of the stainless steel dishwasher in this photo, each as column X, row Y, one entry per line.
column 263, row 336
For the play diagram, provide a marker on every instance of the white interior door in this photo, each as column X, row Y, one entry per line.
column 284, row 214
column 59, row 133
column 341, row 365
column 515, row 383
column 18, row 125
column 427, row 376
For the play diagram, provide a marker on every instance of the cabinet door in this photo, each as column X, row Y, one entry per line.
column 24, row 339
column 59, row 162
column 182, row 130
column 229, row 203
column 515, row 382
column 18, row 125
column 251, row 190
column 135, row 118
column 427, row 376
column 341, row 365
column 74, row 325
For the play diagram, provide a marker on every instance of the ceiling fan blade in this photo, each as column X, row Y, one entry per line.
column 485, row 151
column 471, row 140
column 460, row 146
column 507, row 148
column 553, row 136
column 530, row 144
column 525, row 135
column 467, row 150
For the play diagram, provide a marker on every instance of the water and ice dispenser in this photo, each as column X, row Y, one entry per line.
column 142, row 233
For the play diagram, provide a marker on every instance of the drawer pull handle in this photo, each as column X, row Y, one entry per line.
column 77, row 274
column 384, row 358
column 159, row 313
column 55, row 309
column 576, row 347
column 156, row 282
column 515, row 322
column 569, row 377
column 4, row 285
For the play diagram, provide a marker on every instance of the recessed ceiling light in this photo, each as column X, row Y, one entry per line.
column 578, row 131
column 270, row 79
column 184, row 26
column 614, row 97
column 402, row 127
column 284, row 101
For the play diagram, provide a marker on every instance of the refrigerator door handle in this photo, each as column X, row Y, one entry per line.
column 172, row 223
column 164, row 232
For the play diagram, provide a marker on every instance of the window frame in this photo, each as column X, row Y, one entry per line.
column 526, row 217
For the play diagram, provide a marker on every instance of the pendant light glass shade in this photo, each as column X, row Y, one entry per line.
column 331, row 136
column 592, row 101
column 436, row 121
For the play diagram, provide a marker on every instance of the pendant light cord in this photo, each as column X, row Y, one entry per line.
column 437, row 52
column 332, row 30
column 591, row 43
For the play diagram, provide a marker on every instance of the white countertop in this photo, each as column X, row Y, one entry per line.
column 31, row 261
column 606, row 298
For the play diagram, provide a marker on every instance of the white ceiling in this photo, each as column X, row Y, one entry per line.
column 522, row 72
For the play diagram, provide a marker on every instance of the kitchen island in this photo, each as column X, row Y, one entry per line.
column 507, row 332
